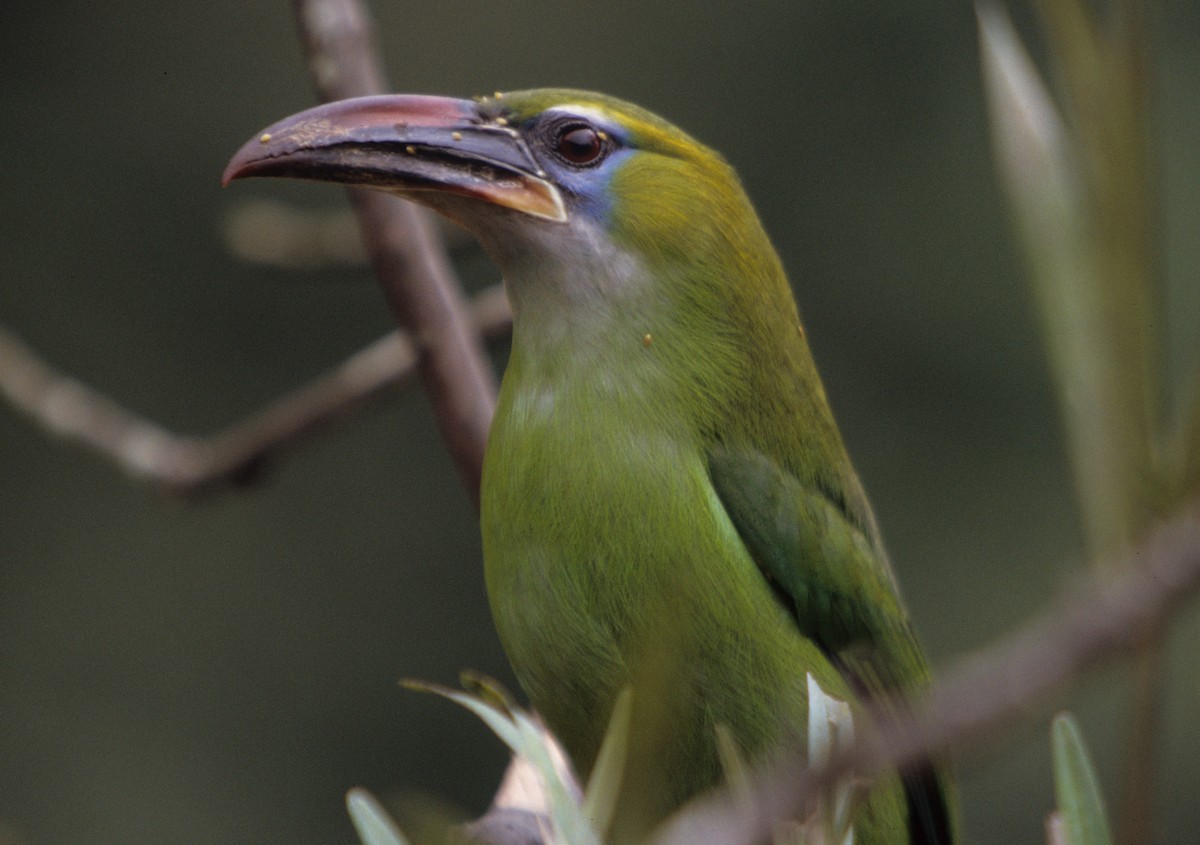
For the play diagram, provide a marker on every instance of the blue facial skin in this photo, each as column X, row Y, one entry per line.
column 586, row 188
column 589, row 191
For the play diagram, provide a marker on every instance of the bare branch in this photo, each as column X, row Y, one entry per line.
column 407, row 258
column 188, row 465
column 281, row 235
column 439, row 339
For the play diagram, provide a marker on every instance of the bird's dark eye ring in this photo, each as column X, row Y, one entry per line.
column 580, row 144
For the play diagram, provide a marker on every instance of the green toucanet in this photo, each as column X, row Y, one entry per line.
column 667, row 503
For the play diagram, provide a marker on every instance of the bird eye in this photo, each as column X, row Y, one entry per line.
column 579, row 144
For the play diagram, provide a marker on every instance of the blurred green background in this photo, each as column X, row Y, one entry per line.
column 223, row 672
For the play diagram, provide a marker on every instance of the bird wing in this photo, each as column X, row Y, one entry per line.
column 827, row 570
column 833, row 578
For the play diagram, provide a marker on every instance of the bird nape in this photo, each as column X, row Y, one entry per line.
column 667, row 503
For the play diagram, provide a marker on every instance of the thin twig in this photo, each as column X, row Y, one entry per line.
column 409, row 261
column 277, row 234
column 188, row 465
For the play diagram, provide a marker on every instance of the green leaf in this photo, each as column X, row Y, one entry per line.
column 528, row 740
column 830, row 724
column 1076, row 787
column 1037, row 165
column 488, row 690
column 831, row 727
column 498, row 720
column 737, row 773
column 1078, row 203
column 569, row 823
column 600, row 796
column 372, row 823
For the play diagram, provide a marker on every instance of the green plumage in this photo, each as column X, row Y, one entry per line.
column 666, row 502
column 662, row 457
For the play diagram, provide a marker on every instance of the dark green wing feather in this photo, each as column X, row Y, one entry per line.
column 830, row 571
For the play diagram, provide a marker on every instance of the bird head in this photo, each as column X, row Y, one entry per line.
column 584, row 192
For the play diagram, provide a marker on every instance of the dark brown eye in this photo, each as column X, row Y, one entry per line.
column 580, row 144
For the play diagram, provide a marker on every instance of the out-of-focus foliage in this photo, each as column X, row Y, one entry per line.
column 1081, row 183
column 540, row 782
column 371, row 821
column 223, row 673
column 1080, row 803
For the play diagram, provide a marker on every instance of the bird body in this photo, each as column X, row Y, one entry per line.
column 667, row 503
